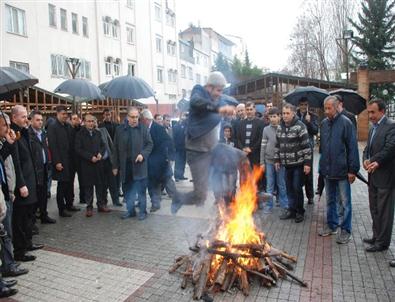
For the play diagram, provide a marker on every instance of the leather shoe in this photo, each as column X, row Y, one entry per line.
column 47, row 220
column 369, row 240
column 73, row 209
column 15, row 272
column 34, row 247
column 7, row 292
column 64, row 214
column 10, row 283
column 25, row 258
column 376, row 248
column 104, row 210
column 392, row 263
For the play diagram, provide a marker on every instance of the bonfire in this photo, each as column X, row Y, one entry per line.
column 234, row 251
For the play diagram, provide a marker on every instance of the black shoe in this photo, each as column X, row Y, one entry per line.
column 73, row 209
column 299, row 218
column 184, row 178
column 15, row 272
column 7, row 292
column 10, row 283
column 34, row 247
column 25, row 258
column 47, row 220
column 118, row 204
column 64, row 214
column 287, row 215
column 369, row 240
column 376, row 248
column 392, row 263
column 310, row 201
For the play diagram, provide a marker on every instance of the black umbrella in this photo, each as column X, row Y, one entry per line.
column 80, row 88
column 352, row 101
column 314, row 96
column 12, row 79
column 183, row 105
column 229, row 100
column 128, row 88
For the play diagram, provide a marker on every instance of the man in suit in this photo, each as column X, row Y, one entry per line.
column 159, row 169
column 40, row 156
column 75, row 122
column 179, row 145
column 61, row 145
column 379, row 161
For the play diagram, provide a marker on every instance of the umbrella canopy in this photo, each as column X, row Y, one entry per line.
column 352, row 101
column 12, row 79
column 102, row 85
column 80, row 88
column 314, row 96
column 229, row 100
column 128, row 88
column 183, row 105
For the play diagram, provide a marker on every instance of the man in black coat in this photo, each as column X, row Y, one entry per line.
column 26, row 189
column 75, row 122
column 379, row 161
column 61, row 146
column 108, row 124
column 343, row 111
column 40, row 156
column 179, row 145
column 90, row 148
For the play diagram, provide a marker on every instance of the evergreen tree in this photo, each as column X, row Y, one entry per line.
column 221, row 64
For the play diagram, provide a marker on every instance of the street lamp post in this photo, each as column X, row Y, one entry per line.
column 347, row 36
column 73, row 65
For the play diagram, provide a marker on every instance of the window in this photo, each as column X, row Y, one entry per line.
column 172, row 75
column 198, row 78
column 115, row 28
column 158, row 12
column 130, row 34
column 130, row 3
column 74, row 23
column 59, row 66
column 63, row 19
column 84, row 71
column 159, row 75
column 131, row 69
column 158, row 44
column 190, row 73
column 106, row 27
column 52, row 15
column 85, row 29
column 117, row 68
column 183, row 71
column 170, row 19
column 108, row 67
column 16, row 21
column 171, row 48
column 20, row 66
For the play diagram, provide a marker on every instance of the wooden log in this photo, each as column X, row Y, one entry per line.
column 274, row 271
column 200, row 286
column 292, row 276
column 228, row 277
column 178, row 264
column 284, row 263
column 187, row 274
column 245, row 286
column 293, row 259
column 221, row 273
column 196, row 272
column 228, row 254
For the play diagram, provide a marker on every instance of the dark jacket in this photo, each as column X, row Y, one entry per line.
column 139, row 141
column 61, row 146
column 162, row 152
column 338, row 148
column 5, row 151
column 87, row 146
column 38, row 147
column 25, row 169
column 350, row 116
column 179, row 135
column 111, row 128
column 382, row 150
column 108, row 143
column 312, row 126
column 255, row 139
column 203, row 113
column 293, row 144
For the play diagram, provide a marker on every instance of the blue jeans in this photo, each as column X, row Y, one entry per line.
column 294, row 180
column 338, row 190
column 276, row 178
column 132, row 189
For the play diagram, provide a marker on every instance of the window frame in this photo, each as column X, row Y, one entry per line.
column 14, row 64
column 85, row 33
column 76, row 32
column 130, row 28
column 159, row 74
column 51, row 6
column 65, row 27
column 20, row 16
column 160, row 44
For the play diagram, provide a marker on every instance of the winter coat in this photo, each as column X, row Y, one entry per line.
column 312, row 126
column 37, row 152
column 179, row 135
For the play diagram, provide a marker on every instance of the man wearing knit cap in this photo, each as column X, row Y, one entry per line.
column 202, row 135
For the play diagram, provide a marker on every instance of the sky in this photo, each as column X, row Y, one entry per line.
column 265, row 25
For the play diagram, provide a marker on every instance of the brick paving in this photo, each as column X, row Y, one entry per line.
column 130, row 258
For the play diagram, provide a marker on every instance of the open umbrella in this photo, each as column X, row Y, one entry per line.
column 80, row 88
column 314, row 96
column 128, row 88
column 352, row 101
column 12, row 79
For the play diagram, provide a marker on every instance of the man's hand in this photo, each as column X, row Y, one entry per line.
column 139, row 158
column 306, row 170
column 115, row 172
column 94, row 159
column 247, row 150
column 351, row 178
column 373, row 166
column 59, row 167
column 277, row 166
column 24, row 192
column 99, row 156
column 307, row 117
column 227, row 110
column 10, row 136
column 366, row 163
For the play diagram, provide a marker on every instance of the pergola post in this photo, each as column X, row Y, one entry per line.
column 363, row 90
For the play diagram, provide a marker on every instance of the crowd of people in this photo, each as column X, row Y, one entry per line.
column 218, row 141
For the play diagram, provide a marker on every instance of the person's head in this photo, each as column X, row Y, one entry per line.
column 75, row 120
column 4, row 124
column 89, row 121
column 133, row 116
column 36, row 120
column 274, row 116
column 241, row 111
column 228, row 132
column 331, row 104
column 250, row 110
column 166, row 120
column 146, row 117
column 215, row 85
column 289, row 112
column 158, row 118
column 303, row 105
column 340, row 104
column 19, row 116
column 376, row 110
column 106, row 115
column 61, row 114
column 269, row 105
